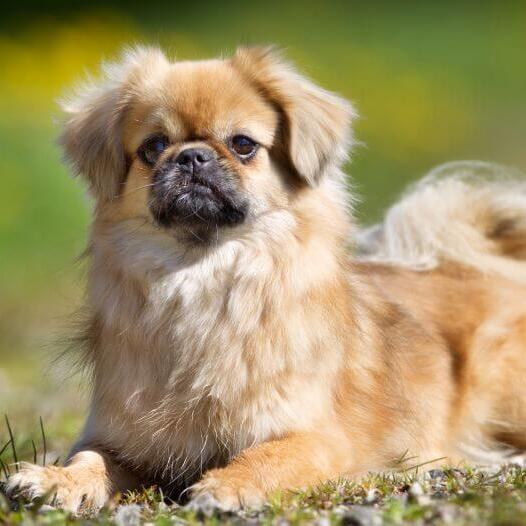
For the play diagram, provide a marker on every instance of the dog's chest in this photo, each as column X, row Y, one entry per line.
column 210, row 364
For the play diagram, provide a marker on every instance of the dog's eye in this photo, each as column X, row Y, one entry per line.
column 244, row 146
column 152, row 148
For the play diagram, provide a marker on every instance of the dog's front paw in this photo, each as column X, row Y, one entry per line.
column 217, row 491
column 66, row 488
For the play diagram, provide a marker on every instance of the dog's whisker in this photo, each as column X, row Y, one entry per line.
column 136, row 189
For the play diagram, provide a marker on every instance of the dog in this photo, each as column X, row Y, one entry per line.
column 244, row 336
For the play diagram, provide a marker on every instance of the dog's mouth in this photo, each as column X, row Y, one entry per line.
column 202, row 187
column 196, row 200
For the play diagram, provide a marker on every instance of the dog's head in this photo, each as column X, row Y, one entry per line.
column 203, row 145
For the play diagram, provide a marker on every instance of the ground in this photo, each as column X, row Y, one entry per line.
column 463, row 496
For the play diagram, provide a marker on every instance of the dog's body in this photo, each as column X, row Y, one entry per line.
column 244, row 341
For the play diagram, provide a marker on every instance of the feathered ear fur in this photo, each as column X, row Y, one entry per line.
column 316, row 123
column 91, row 137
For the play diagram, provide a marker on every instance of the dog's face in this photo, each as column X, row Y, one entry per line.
column 202, row 146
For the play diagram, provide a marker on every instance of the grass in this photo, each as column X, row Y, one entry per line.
column 494, row 495
column 467, row 496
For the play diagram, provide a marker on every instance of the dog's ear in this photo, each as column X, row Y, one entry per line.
column 316, row 123
column 92, row 134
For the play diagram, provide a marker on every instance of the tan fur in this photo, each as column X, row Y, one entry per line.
column 265, row 357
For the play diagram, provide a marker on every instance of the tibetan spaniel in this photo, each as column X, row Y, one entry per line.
column 244, row 337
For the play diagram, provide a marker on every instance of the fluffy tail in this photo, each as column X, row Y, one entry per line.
column 472, row 213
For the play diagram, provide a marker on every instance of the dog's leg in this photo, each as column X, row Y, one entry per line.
column 297, row 461
column 86, row 483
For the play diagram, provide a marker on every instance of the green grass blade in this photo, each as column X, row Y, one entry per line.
column 44, row 443
column 13, row 446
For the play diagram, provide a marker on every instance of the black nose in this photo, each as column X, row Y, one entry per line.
column 194, row 159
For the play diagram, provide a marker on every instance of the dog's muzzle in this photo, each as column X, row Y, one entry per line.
column 193, row 188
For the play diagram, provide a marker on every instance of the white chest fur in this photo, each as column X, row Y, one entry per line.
column 201, row 357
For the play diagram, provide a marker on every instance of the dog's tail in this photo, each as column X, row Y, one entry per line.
column 473, row 213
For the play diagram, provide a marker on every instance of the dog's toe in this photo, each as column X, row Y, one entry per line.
column 58, row 486
column 214, row 494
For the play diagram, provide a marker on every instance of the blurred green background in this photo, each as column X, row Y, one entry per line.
column 433, row 82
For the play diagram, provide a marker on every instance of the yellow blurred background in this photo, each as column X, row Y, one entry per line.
column 432, row 81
